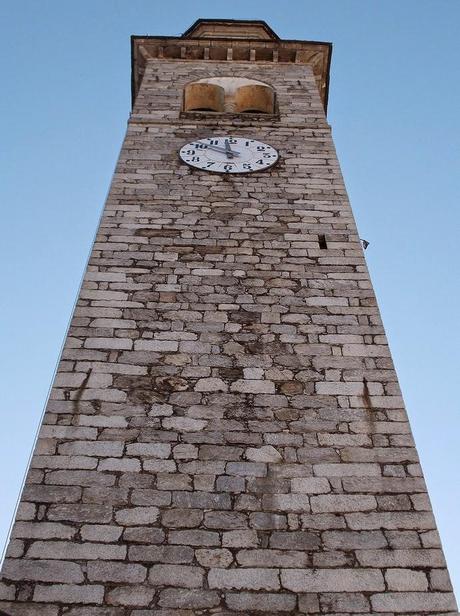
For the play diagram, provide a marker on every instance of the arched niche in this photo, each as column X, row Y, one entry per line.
column 229, row 94
column 203, row 96
column 254, row 98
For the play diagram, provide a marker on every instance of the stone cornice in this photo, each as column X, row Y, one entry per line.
column 204, row 41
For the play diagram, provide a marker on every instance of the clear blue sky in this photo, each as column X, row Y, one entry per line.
column 394, row 108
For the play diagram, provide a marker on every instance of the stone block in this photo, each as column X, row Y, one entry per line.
column 217, row 558
column 122, row 465
column 135, row 516
column 390, row 520
column 92, row 448
column 150, row 450
column 205, row 500
column 310, row 485
column 332, row 580
column 18, row 608
column 354, row 540
column 245, row 579
column 401, row 558
column 413, row 602
column 226, row 483
column 65, row 550
column 406, row 580
column 134, row 595
column 79, row 478
column 337, row 603
column 247, row 469
column 188, row 598
column 199, row 538
column 51, row 494
column 225, row 520
column 184, row 424
column 267, row 521
column 42, row 571
column 296, row 503
column 182, row 576
column 185, row 451
column 181, row 518
column 272, row 558
column 309, row 603
column 69, row 593
column 337, row 503
column 80, row 513
column 105, row 571
column 253, row 387
column 240, row 539
column 169, row 554
column 347, row 470
column 100, row 532
column 158, row 346
column 211, row 384
column 295, row 540
column 266, row 453
column 43, row 530
column 143, row 534
column 270, row 602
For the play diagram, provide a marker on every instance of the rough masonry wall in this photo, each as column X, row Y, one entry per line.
column 226, row 434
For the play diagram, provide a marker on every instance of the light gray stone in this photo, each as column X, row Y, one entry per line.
column 42, row 571
column 247, row 578
column 269, row 602
column 69, row 593
column 267, row 453
column 176, row 575
column 406, row 579
column 413, row 602
column 136, row 516
column 332, row 580
column 188, row 598
column 217, row 558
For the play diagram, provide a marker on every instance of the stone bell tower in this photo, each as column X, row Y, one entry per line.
column 226, row 434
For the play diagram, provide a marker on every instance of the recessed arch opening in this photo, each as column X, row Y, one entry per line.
column 204, row 97
column 255, row 98
column 229, row 94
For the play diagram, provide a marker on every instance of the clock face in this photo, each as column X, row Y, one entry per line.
column 228, row 154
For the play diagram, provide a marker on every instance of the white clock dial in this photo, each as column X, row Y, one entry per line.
column 228, row 154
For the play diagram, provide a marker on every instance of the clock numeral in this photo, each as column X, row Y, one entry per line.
column 253, row 154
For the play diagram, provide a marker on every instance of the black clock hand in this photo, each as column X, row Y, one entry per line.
column 228, row 149
column 223, row 150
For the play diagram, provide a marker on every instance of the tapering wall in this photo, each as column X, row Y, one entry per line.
column 226, row 434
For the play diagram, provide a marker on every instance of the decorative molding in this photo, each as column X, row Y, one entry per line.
column 232, row 41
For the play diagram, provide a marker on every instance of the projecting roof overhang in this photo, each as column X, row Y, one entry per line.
column 228, row 40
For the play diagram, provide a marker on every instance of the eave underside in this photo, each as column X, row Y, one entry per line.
column 315, row 54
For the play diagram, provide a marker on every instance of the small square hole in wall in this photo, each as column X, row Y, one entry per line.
column 322, row 242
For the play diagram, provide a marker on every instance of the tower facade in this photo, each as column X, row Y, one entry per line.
column 226, row 434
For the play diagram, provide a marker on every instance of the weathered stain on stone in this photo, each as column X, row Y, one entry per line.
column 80, row 390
